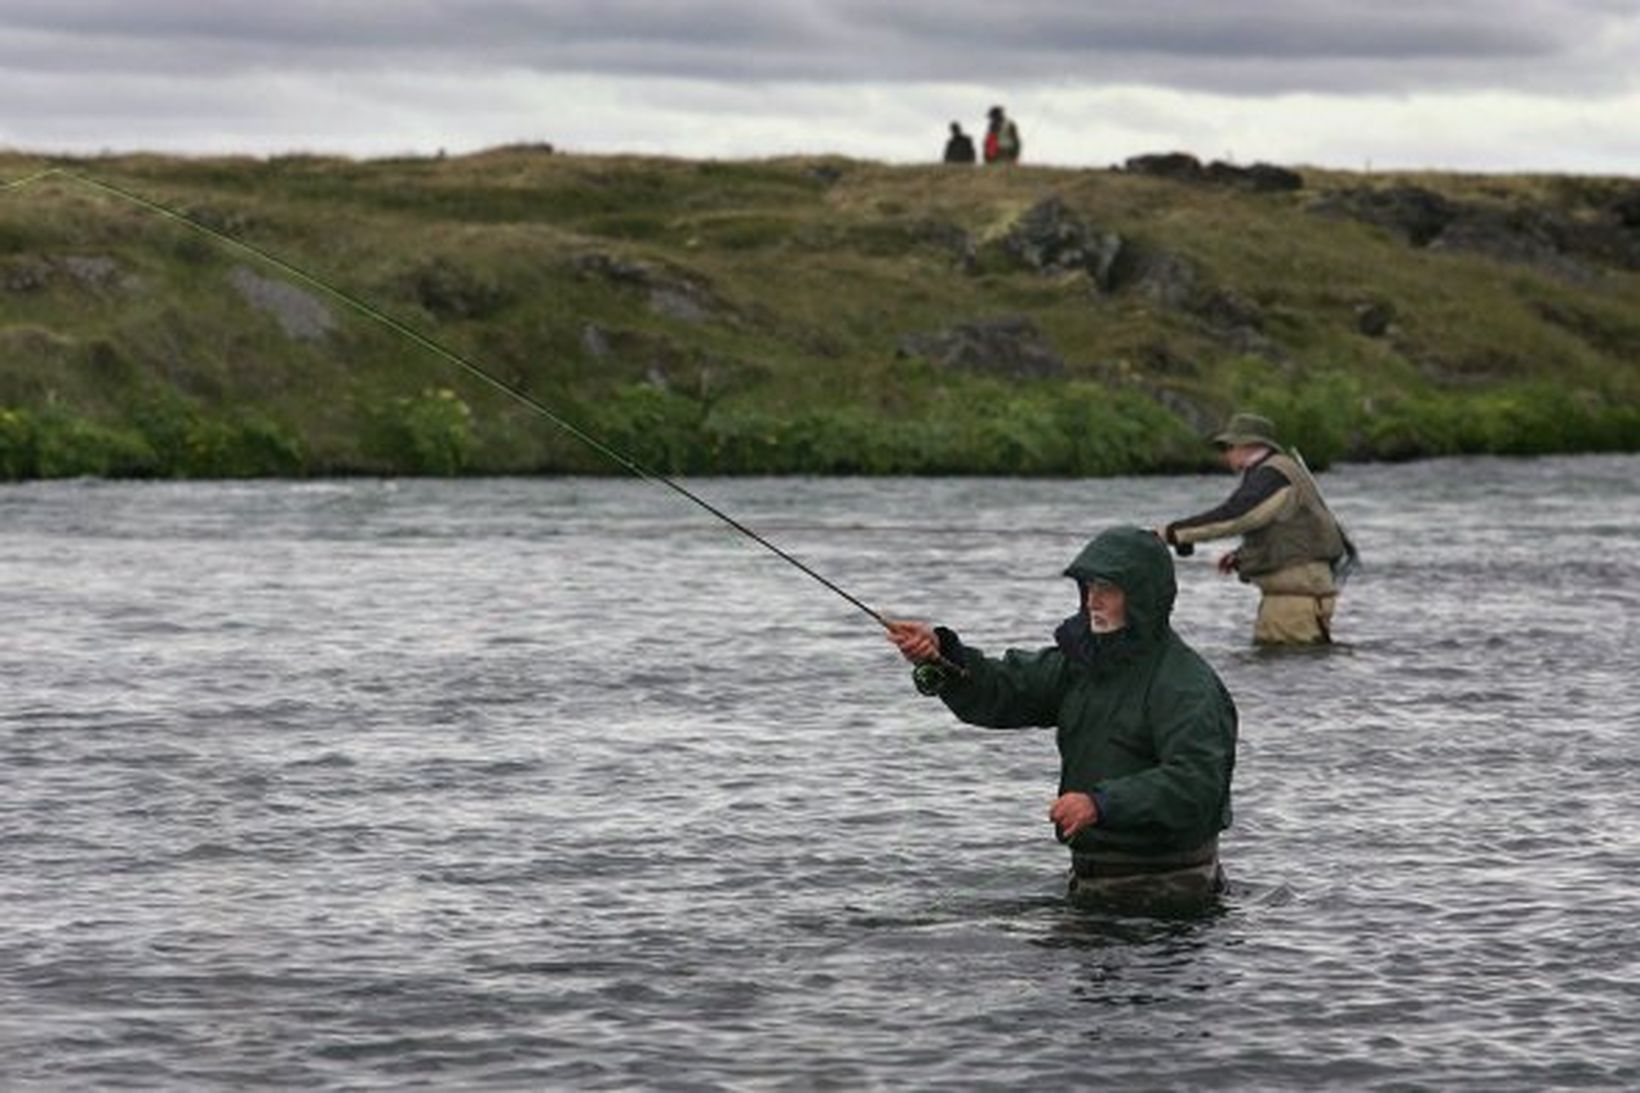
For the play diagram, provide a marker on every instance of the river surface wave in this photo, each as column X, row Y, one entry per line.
column 561, row 784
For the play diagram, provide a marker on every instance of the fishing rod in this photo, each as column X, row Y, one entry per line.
column 369, row 311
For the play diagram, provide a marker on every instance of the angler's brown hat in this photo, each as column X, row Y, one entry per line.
column 1247, row 429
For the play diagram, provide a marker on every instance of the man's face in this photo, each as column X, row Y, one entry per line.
column 1107, row 607
column 1238, row 456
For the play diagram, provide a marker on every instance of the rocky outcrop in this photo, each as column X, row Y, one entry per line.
column 673, row 295
column 1522, row 236
column 1171, row 281
column 452, row 291
column 1571, row 247
column 1008, row 346
column 1625, row 209
column 1414, row 214
column 1183, row 167
column 1179, row 166
column 300, row 314
column 635, row 356
column 1050, row 239
column 1158, row 275
column 1257, row 177
column 34, row 273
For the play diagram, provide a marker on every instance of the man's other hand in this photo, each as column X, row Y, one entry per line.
column 1072, row 813
column 916, row 641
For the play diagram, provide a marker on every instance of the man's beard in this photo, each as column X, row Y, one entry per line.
column 1101, row 625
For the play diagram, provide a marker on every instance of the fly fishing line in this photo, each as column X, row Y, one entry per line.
column 442, row 351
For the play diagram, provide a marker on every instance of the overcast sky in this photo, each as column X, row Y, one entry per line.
column 1473, row 85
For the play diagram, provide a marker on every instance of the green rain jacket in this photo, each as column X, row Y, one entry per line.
column 1144, row 725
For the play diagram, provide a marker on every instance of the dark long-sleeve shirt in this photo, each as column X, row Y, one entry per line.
column 1255, row 502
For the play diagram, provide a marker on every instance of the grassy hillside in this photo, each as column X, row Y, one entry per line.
column 814, row 316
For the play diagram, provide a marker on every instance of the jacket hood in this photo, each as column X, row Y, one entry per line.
column 1138, row 563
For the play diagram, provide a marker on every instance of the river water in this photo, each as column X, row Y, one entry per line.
column 560, row 784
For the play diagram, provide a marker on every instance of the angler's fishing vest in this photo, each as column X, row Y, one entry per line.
column 1304, row 532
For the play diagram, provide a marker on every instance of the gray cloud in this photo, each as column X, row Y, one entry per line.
column 1519, row 84
column 1242, row 48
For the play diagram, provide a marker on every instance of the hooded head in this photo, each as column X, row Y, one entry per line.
column 1138, row 563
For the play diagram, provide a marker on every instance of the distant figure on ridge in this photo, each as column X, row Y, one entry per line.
column 1292, row 546
column 1145, row 728
column 960, row 148
column 1002, row 143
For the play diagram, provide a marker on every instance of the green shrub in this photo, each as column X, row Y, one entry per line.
column 1524, row 421
column 1531, row 419
column 1014, row 436
column 741, row 441
column 843, row 440
column 166, row 422
column 251, row 446
column 1404, row 429
column 1320, row 417
column 18, row 458
column 656, row 428
column 1121, row 432
column 430, row 433
column 54, row 443
column 173, row 438
column 69, row 447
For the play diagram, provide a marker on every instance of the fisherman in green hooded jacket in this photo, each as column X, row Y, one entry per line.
column 1145, row 728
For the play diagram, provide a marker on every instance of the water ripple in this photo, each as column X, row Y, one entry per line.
column 540, row 784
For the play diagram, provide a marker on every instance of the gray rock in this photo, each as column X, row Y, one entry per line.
column 1184, row 167
column 611, row 268
column 93, row 270
column 1542, row 237
column 1521, row 237
column 300, row 314
column 678, row 302
column 1159, row 275
column 1227, row 310
column 1626, row 209
column 1180, row 166
column 674, row 296
column 29, row 273
column 595, row 342
column 1009, row 346
column 1374, row 317
column 1412, row 212
column 1607, row 243
column 452, row 290
column 25, row 275
column 1050, row 239
column 1259, row 178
